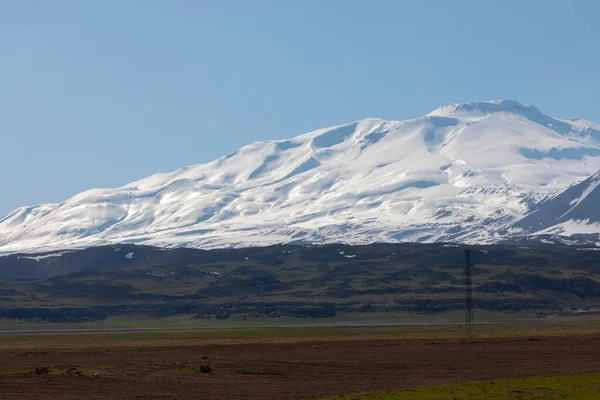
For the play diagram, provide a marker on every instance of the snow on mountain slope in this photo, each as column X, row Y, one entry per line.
column 458, row 173
column 575, row 210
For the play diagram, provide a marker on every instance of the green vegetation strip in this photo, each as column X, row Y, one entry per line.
column 548, row 388
column 424, row 332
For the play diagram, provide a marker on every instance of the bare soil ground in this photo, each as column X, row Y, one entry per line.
column 287, row 368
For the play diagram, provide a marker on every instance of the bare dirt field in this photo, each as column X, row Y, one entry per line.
column 277, row 367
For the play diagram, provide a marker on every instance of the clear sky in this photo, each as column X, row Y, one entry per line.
column 99, row 93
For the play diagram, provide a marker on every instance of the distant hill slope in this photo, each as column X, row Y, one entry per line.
column 295, row 282
column 457, row 174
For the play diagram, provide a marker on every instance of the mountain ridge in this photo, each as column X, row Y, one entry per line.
column 459, row 173
column 570, row 211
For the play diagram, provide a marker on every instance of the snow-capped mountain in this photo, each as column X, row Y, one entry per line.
column 459, row 173
column 575, row 210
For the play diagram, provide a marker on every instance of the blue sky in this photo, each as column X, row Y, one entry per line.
column 101, row 93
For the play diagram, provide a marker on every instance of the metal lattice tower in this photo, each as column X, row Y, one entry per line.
column 468, row 295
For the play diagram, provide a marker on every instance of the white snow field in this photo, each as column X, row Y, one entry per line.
column 457, row 174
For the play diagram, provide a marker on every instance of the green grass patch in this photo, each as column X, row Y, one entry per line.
column 20, row 372
column 585, row 387
column 169, row 367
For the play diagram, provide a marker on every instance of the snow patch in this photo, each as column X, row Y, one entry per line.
column 45, row 256
column 209, row 272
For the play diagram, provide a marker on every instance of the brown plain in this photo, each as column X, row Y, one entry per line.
column 167, row 366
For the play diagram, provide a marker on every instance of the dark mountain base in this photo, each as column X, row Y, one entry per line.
column 294, row 282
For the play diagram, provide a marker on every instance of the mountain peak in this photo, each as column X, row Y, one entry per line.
column 485, row 107
column 451, row 176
